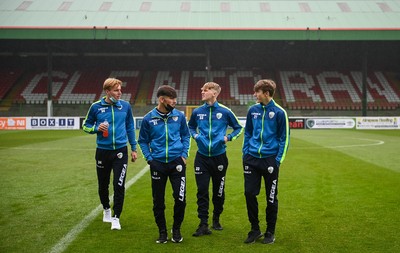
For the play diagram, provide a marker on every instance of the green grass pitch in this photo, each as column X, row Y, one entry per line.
column 339, row 191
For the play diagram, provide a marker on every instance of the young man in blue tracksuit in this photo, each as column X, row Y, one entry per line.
column 208, row 126
column 111, row 120
column 165, row 141
column 266, row 140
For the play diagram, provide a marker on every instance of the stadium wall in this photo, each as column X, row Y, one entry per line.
column 75, row 123
column 25, row 110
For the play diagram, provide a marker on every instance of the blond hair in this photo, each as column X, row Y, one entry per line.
column 110, row 83
column 212, row 86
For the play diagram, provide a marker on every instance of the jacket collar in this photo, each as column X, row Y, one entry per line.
column 104, row 103
column 270, row 103
column 216, row 104
column 155, row 114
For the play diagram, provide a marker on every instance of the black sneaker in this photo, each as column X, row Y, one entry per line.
column 202, row 230
column 252, row 236
column 163, row 238
column 216, row 225
column 176, row 235
column 269, row 238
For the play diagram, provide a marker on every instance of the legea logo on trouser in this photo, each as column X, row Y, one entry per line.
column 122, row 176
column 272, row 193
column 182, row 189
column 221, row 187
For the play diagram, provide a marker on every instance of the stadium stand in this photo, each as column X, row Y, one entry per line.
column 237, row 86
column 381, row 90
column 242, row 85
column 35, row 90
column 298, row 90
column 130, row 83
column 176, row 79
column 77, row 87
column 83, row 91
column 334, row 90
column 8, row 79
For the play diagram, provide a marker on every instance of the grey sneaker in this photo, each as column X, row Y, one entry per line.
column 202, row 230
column 163, row 238
column 216, row 225
column 176, row 235
column 252, row 236
column 269, row 238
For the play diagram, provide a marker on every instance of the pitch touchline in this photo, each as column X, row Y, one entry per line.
column 70, row 237
column 375, row 143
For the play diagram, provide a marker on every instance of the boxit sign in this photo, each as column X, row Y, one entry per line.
column 53, row 123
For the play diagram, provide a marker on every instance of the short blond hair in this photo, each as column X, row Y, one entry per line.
column 212, row 86
column 110, row 83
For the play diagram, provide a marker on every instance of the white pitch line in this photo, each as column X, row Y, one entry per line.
column 73, row 233
column 374, row 143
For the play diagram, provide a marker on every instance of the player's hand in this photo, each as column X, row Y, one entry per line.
column 134, row 156
column 103, row 127
column 226, row 139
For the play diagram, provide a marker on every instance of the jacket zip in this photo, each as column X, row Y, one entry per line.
column 262, row 131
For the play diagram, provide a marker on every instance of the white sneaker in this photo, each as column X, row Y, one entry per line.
column 115, row 224
column 107, row 215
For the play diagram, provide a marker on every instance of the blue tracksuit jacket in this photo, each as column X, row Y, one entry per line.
column 267, row 131
column 210, row 123
column 121, row 124
column 164, row 139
